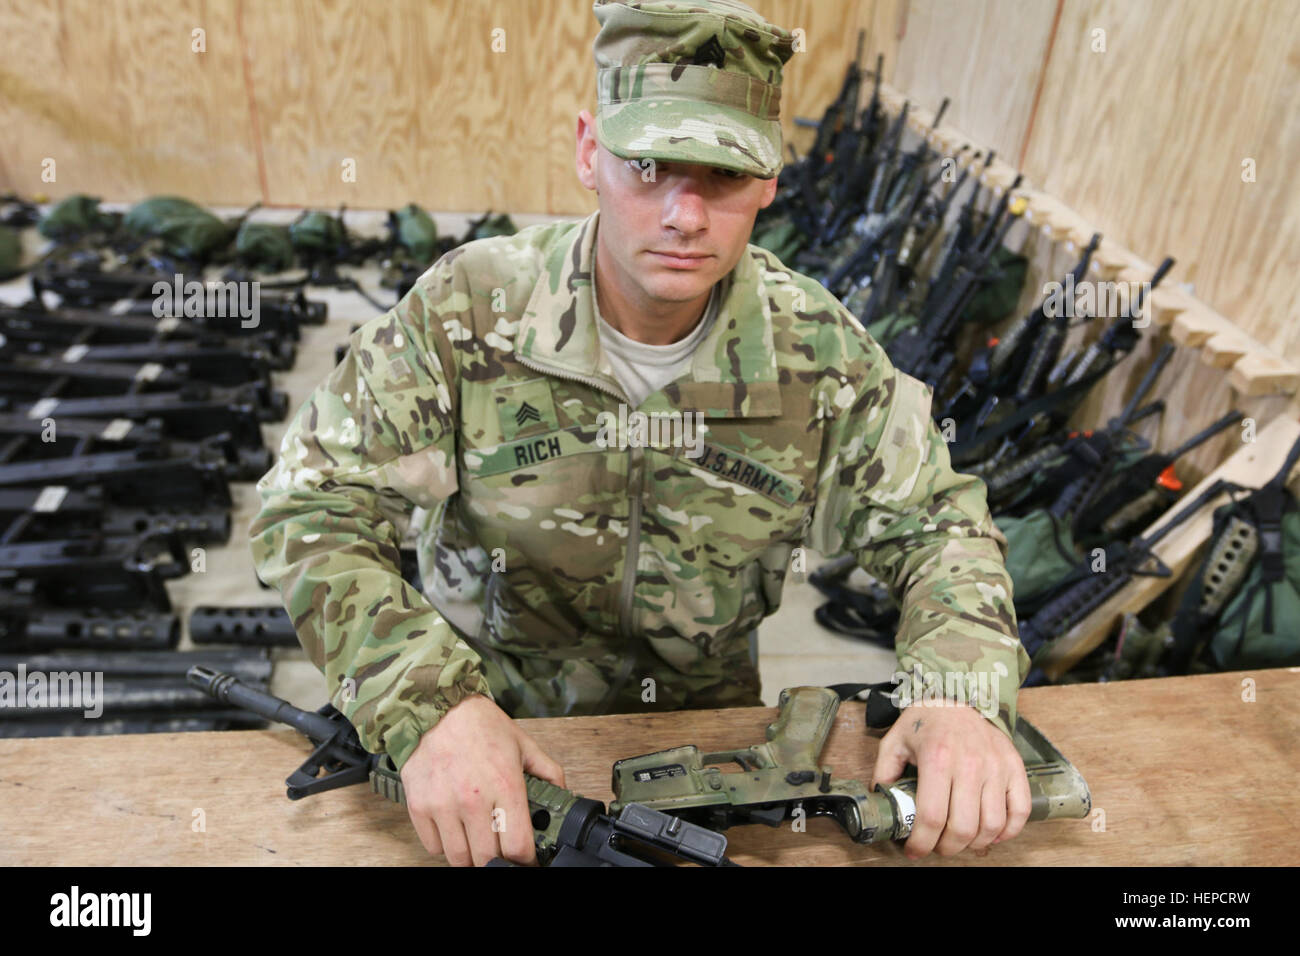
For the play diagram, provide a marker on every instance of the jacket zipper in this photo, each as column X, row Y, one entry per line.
column 634, row 475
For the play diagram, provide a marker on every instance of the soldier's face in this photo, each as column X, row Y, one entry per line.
column 673, row 229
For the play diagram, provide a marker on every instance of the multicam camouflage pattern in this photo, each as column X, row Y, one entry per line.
column 597, row 568
column 691, row 83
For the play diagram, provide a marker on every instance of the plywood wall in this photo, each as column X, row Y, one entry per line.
column 465, row 106
column 991, row 93
column 108, row 98
column 457, row 104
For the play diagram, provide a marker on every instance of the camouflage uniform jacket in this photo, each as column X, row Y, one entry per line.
column 597, row 566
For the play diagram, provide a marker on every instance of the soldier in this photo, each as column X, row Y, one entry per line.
column 610, row 435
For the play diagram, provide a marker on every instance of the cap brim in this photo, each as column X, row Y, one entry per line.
column 675, row 131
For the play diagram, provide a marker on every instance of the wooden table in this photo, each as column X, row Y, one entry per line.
column 1182, row 771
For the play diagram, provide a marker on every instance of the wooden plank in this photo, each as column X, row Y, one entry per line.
column 1145, row 749
column 1264, row 374
column 1226, row 349
column 1168, row 303
column 1253, row 464
column 1195, row 327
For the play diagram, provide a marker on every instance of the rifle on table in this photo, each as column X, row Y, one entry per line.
column 568, row 829
column 279, row 312
column 783, row 776
column 213, row 358
column 195, row 412
column 250, row 666
column 96, row 571
column 77, row 437
column 93, row 694
column 148, row 473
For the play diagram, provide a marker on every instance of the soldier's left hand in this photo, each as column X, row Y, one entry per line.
column 971, row 787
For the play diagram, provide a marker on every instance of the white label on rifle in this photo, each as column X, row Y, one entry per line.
column 42, row 408
column 168, row 324
column 148, row 372
column 116, row 429
column 75, row 353
column 906, row 812
column 50, row 498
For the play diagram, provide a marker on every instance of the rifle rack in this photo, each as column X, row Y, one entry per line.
column 1257, row 380
column 1254, row 370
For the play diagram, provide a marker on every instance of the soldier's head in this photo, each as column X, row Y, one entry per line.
column 685, row 145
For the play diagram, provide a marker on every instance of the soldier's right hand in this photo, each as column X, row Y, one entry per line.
column 464, row 785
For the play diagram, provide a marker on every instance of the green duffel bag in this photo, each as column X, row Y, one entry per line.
column 887, row 328
column 490, row 225
column 416, row 232
column 1242, row 609
column 11, row 253
column 265, row 245
column 997, row 299
column 1260, row 626
column 185, row 228
column 317, row 233
column 782, row 238
column 1040, row 553
column 74, row 216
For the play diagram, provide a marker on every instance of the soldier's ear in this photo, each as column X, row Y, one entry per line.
column 586, row 151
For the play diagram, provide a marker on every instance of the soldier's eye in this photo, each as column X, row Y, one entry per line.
column 732, row 174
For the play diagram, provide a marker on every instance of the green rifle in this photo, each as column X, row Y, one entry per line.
column 782, row 779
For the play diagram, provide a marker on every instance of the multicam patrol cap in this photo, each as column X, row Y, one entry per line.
column 690, row 82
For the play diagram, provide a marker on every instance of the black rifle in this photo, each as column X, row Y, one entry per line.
column 1136, row 491
column 26, row 623
column 1050, row 411
column 1016, row 361
column 569, row 830
column 96, row 571
column 1087, row 591
column 254, row 626
column 81, row 436
column 248, row 665
column 916, row 351
column 79, row 327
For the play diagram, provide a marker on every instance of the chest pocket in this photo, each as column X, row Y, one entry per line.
column 565, row 466
column 723, row 504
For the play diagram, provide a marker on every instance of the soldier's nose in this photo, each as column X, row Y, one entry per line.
column 686, row 212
